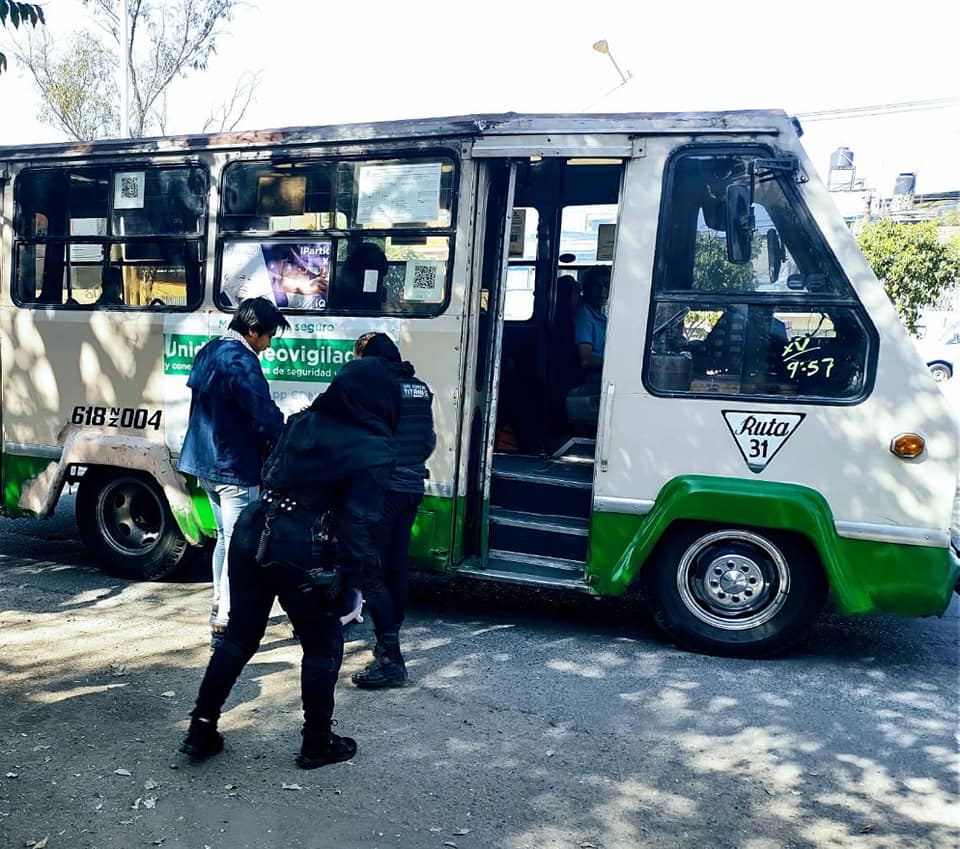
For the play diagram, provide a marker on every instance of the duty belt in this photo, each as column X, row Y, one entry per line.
column 278, row 501
column 321, row 536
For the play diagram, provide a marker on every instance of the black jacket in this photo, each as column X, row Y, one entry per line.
column 415, row 436
column 338, row 454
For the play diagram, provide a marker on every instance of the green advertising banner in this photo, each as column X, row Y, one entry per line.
column 299, row 359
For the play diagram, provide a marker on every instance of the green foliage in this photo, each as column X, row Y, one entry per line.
column 18, row 13
column 913, row 264
column 713, row 272
column 66, row 85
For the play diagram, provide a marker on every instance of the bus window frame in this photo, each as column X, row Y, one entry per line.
column 808, row 301
column 340, row 235
column 114, row 166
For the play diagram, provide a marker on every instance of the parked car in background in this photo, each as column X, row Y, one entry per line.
column 942, row 352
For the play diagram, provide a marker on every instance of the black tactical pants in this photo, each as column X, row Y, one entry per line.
column 253, row 589
column 385, row 580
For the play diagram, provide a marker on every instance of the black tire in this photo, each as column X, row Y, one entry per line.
column 126, row 524
column 733, row 591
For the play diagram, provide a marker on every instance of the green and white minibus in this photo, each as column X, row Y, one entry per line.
column 761, row 434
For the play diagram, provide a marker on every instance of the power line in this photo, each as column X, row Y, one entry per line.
column 880, row 109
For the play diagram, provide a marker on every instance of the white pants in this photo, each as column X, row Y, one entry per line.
column 227, row 501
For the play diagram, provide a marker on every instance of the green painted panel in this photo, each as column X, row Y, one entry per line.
column 431, row 537
column 17, row 470
column 205, row 523
column 865, row 577
column 909, row 580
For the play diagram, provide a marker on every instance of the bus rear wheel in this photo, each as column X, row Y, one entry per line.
column 733, row 591
column 126, row 524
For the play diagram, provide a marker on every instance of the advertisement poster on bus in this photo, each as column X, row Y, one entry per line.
column 298, row 365
column 294, row 275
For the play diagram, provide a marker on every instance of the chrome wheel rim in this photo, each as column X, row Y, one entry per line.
column 733, row 580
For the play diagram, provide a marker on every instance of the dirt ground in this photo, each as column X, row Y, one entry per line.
column 98, row 677
column 531, row 722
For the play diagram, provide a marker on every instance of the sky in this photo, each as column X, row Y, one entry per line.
column 330, row 62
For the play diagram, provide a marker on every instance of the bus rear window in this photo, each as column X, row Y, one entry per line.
column 119, row 236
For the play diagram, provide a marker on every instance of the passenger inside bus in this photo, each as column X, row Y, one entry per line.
column 359, row 279
column 590, row 324
column 561, row 242
column 111, row 287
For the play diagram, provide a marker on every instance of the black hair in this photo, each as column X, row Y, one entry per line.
column 377, row 345
column 594, row 277
column 259, row 315
column 364, row 256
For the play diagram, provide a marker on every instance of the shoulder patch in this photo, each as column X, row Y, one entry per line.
column 414, row 390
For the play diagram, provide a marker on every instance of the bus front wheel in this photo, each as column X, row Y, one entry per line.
column 732, row 591
column 126, row 524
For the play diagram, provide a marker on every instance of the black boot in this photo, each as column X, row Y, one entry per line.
column 202, row 741
column 321, row 747
column 378, row 654
column 387, row 669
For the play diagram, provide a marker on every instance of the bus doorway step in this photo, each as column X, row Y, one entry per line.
column 529, row 570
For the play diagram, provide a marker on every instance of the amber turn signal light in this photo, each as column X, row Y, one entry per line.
column 907, row 445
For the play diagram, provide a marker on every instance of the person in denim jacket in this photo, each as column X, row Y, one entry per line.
column 233, row 422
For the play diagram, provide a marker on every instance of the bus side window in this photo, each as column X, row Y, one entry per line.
column 146, row 224
column 790, row 324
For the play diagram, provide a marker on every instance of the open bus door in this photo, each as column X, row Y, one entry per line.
column 535, row 465
column 495, row 191
column 6, row 213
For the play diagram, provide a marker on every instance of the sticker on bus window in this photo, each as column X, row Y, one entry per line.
column 294, row 275
column 87, row 227
column 759, row 436
column 518, row 230
column 606, row 233
column 398, row 194
column 128, row 189
column 424, row 281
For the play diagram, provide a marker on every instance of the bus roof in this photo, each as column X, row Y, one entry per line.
column 457, row 127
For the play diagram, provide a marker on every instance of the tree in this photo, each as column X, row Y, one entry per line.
column 713, row 272
column 167, row 39
column 18, row 13
column 79, row 87
column 913, row 264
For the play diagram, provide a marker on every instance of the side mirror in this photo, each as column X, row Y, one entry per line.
column 775, row 254
column 740, row 223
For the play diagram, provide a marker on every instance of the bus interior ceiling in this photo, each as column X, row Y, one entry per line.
column 561, row 204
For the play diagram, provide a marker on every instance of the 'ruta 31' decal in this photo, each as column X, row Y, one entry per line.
column 759, row 436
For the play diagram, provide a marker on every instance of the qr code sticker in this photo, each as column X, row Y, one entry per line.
column 424, row 281
column 425, row 277
column 129, row 186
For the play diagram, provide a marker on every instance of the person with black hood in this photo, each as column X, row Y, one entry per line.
column 385, row 580
column 307, row 541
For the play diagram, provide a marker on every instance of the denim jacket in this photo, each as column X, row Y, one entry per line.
column 232, row 416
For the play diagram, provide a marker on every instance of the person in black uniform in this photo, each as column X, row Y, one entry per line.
column 307, row 541
column 385, row 580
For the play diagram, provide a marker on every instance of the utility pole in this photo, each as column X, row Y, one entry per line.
column 124, row 72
